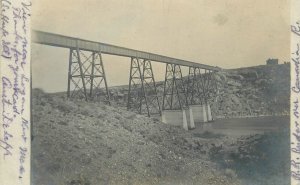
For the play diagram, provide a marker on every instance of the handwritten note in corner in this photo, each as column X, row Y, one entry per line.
column 295, row 92
column 15, row 92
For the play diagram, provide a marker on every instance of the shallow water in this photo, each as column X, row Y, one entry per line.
column 269, row 151
column 246, row 126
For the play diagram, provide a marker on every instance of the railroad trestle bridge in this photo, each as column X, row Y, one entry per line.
column 184, row 99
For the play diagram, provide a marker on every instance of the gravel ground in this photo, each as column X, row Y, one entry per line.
column 80, row 143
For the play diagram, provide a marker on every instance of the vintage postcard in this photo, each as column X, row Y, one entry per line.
column 150, row 92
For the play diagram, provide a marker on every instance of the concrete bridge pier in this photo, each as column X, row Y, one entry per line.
column 176, row 118
column 190, row 118
column 208, row 112
column 199, row 113
column 202, row 114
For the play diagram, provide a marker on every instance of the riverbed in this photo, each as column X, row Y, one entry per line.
column 246, row 126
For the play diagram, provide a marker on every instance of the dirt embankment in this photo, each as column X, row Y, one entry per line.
column 89, row 143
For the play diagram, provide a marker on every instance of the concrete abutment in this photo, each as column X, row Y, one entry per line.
column 187, row 118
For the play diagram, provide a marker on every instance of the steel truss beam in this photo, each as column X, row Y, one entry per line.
column 71, row 42
column 174, row 96
column 86, row 70
column 142, row 92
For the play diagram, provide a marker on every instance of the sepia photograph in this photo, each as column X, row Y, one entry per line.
column 160, row 92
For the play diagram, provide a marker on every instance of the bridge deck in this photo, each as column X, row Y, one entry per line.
column 57, row 40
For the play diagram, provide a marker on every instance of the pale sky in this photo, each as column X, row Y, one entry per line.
column 227, row 33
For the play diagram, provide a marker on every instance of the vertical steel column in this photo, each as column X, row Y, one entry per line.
column 150, row 89
column 92, row 74
column 215, row 84
column 188, row 88
column 76, row 76
column 191, row 85
column 168, row 87
column 180, row 86
column 98, row 76
column 81, row 73
column 104, row 77
column 200, row 87
column 174, row 82
column 208, row 85
column 129, row 86
column 198, row 90
column 84, row 66
column 69, row 73
column 135, row 85
column 213, row 88
column 165, row 86
column 142, row 91
column 203, row 83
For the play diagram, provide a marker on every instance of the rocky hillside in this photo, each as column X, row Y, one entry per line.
column 243, row 92
column 80, row 143
column 86, row 143
column 90, row 143
column 260, row 90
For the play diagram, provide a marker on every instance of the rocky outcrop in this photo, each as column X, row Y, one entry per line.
column 254, row 91
column 243, row 92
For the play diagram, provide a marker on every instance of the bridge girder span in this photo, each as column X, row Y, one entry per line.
column 86, row 73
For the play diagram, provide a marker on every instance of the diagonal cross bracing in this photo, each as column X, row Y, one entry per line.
column 142, row 92
column 86, row 73
column 175, row 95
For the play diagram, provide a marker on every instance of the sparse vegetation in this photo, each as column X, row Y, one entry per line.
column 87, row 143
